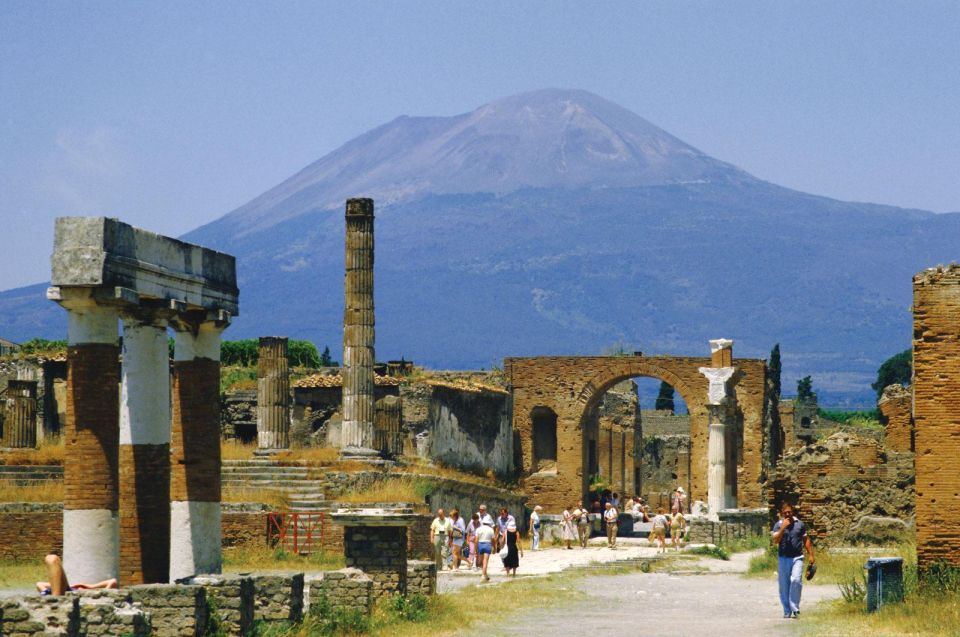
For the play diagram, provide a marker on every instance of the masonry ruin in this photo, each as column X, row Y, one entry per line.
column 725, row 399
column 936, row 412
column 142, row 468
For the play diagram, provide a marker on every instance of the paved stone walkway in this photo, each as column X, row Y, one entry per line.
column 715, row 603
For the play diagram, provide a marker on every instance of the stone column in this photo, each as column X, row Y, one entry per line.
column 90, row 522
column 719, row 492
column 356, row 436
column 20, row 414
column 375, row 541
column 195, row 453
column 273, row 394
column 144, row 451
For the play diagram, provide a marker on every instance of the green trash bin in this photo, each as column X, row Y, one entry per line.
column 884, row 582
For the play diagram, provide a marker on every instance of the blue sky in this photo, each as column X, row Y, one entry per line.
column 171, row 114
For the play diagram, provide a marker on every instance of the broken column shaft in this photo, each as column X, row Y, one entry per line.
column 273, row 393
column 358, row 331
column 20, row 414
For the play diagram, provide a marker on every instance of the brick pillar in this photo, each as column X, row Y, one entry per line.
column 273, row 394
column 144, row 452
column 358, row 331
column 381, row 553
column 896, row 406
column 90, row 476
column 195, row 520
column 936, row 409
column 20, row 414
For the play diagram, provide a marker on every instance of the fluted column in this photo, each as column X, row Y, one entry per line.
column 195, row 515
column 20, row 414
column 144, row 451
column 719, row 492
column 273, row 394
column 358, row 331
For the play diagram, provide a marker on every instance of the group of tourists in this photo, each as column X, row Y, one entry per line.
column 473, row 542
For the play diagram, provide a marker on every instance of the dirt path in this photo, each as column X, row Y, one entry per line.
column 713, row 604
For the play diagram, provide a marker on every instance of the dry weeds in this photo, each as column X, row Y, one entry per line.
column 273, row 498
column 50, row 451
column 40, row 491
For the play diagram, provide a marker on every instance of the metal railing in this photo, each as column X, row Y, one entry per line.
column 300, row 533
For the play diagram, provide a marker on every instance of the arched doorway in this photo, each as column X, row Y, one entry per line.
column 570, row 386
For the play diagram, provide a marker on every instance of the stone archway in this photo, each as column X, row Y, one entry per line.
column 569, row 385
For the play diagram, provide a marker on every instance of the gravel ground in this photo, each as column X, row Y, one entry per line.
column 715, row 603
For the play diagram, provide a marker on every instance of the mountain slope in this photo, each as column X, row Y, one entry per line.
column 558, row 223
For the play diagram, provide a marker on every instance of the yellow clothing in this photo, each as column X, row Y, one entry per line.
column 441, row 526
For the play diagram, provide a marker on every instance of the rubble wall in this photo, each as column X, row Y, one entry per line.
column 896, row 406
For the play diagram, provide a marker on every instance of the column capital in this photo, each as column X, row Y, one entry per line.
column 717, row 393
column 197, row 340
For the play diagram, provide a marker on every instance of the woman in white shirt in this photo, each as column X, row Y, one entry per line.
column 485, row 535
column 535, row 528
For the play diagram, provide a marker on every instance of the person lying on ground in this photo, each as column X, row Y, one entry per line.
column 58, row 584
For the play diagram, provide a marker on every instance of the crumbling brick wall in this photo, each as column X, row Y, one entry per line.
column 571, row 385
column 835, row 482
column 936, row 409
column 896, row 406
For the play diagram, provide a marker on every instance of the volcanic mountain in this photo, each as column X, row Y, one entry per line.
column 556, row 222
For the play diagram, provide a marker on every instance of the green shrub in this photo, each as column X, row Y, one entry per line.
column 854, row 588
column 409, row 608
column 711, row 550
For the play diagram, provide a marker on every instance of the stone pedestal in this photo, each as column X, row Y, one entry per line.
column 357, row 432
column 20, row 414
column 375, row 541
column 273, row 394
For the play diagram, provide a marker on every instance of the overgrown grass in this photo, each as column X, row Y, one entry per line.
column 50, row 451
column 710, row 550
column 41, row 491
column 834, row 566
column 235, row 377
column 259, row 557
column 392, row 489
column 313, row 456
column 930, row 606
column 236, row 450
column 16, row 573
column 866, row 419
column 273, row 498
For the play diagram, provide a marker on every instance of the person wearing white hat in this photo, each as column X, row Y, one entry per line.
column 676, row 504
column 514, row 549
column 534, row 530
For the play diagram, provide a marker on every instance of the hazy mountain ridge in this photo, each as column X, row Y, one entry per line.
column 613, row 231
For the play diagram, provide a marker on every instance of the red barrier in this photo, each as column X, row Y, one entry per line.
column 300, row 533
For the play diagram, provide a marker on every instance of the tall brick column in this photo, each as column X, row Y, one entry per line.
column 358, row 331
column 273, row 393
column 144, row 452
column 719, row 488
column 936, row 409
column 195, row 520
column 90, row 529
column 20, row 414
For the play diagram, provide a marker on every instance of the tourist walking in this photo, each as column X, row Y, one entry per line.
column 566, row 527
column 534, row 530
column 514, row 550
column 790, row 536
column 485, row 518
column 610, row 518
column 676, row 500
column 503, row 521
column 581, row 516
column 485, row 535
column 660, row 530
column 471, row 544
column 440, row 530
column 678, row 524
column 458, row 530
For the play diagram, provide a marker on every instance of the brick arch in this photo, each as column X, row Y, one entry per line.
column 570, row 386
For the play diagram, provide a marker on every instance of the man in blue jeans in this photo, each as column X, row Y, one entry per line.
column 790, row 536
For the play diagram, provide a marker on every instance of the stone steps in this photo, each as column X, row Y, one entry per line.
column 21, row 474
column 304, row 493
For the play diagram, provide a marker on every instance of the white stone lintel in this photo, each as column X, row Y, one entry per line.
column 718, row 344
column 717, row 377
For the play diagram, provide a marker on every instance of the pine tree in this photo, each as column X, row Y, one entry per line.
column 665, row 397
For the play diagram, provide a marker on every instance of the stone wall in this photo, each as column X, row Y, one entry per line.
column 569, row 386
column 664, row 465
column 613, row 424
column 471, row 430
column 936, row 410
column 896, row 414
column 175, row 610
column 381, row 553
column 30, row 531
column 421, row 577
column 836, row 482
column 348, row 588
column 662, row 422
column 99, row 612
column 732, row 525
column 238, row 415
